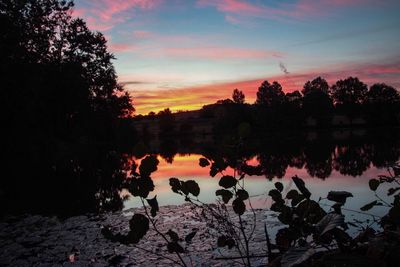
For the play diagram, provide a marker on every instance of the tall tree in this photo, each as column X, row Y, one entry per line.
column 316, row 100
column 381, row 93
column 238, row 96
column 350, row 91
column 318, row 84
column 270, row 95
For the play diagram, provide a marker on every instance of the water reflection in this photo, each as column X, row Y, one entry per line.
column 92, row 179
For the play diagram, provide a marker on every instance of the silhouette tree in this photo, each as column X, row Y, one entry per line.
column 238, row 96
column 61, row 104
column 350, row 91
column 318, row 84
column 381, row 93
column 294, row 99
column 270, row 95
column 316, row 101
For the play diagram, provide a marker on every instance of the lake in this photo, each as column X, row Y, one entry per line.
column 327, row 161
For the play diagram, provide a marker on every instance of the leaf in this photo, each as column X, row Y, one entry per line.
column 242, row 194
column 141, row 186
column 189, row 237
column 292, row 194
column 191, row 187
column 373, row 184
column 238, row 206
column 279, row 186
column 339, row 196
column 329, row 222
column 138, row 225
column 276, row 195
column 301, row 186
column 369, row 205
column 148, row 165
column 296, row 255
column 174, row 247
column 225, row 194
column 297, row 200
column 286, row 215
column 175, row 185
column 173, row 235
column 203, row 162
column 154, row 206
column 225, row 241
column 227, row 181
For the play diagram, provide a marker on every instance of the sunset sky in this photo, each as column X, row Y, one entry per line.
column 183, row 54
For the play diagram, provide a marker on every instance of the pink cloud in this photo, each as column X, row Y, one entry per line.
column 298, row 10
column 105, row 14
column 218, row 53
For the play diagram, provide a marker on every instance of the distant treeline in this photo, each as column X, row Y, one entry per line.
column 347, row 103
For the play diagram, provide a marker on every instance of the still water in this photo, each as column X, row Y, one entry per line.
column 186, row 167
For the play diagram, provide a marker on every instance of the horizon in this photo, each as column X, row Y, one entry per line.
column 185, row 54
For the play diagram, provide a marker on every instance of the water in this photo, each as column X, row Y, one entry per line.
column 95, row 179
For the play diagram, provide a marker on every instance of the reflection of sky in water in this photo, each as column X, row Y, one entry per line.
column 185, row 167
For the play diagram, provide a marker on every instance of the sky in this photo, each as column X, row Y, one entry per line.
column 183, row 54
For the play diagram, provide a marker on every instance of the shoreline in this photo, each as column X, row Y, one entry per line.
column 35, row 240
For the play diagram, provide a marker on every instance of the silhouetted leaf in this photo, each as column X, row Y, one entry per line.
column 301, row 186
column 310, row 210
column 141, row 186
column 242, row 194
column 238, row 206
column 148, row 165
column 221, row 242
column 173, row 235
column 292, row 194
column 227, row 181
column 296, row 200
column 225, row 194
column 225, row 241
column 296, row 255
column 189, row 237
column 329, row 222
column 339, row 196
column 276, row 195
column 285, row 215
column 279, row 186
column 369, row 205
column 175, row 185
column 373, row 184
column 154, row 206
column 203, row 162
column 191, row 187
column 138, row 225
column 174, row 247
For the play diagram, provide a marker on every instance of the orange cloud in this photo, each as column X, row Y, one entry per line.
column 191, row 98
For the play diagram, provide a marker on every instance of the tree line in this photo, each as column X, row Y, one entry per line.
column 316, row 105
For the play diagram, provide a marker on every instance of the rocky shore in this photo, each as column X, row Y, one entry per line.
column 34, row 240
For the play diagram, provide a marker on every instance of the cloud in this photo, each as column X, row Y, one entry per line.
column 103, row 15
column 218, row 53
column 283, row 68
column 190, row 98
column 300, row 9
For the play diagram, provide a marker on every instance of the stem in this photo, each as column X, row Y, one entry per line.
column 158, row 232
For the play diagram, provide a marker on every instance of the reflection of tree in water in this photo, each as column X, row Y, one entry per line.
column 273, row 165
column 168, row 150
column 79, row 181
column 318, row 158
column 351, row 160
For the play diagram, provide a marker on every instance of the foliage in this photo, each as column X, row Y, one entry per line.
column 238, row 96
